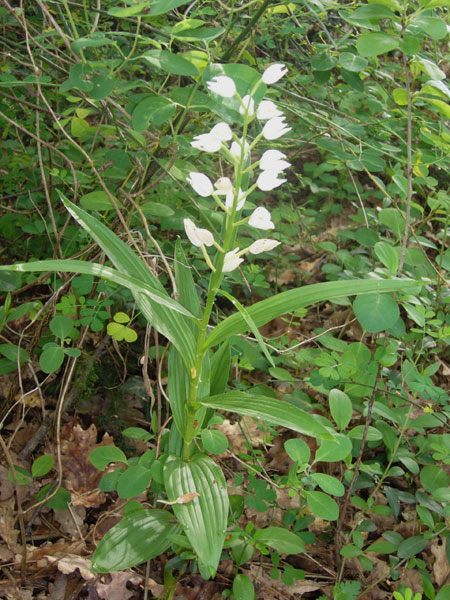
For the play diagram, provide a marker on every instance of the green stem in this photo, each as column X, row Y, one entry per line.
column 214, row 284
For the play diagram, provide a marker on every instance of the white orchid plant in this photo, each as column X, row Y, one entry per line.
column 199, row 356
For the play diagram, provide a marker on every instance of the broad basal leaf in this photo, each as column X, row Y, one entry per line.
column 286, row 302
column 134, row 540
column 274, row 412
column 204, row 518
column 173, row 326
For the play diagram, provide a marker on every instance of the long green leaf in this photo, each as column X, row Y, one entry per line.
column 286, row 302
column 134, row 540
column 204, row 518
column 98, row 270
column 274, row 412
column 173, row 326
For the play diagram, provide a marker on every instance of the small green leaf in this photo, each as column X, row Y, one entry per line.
column 433, row 477
column 121, row 317
column 298, row 450
column 170, row 62
column 133, row 481
column 281, row 374
column 400, row 96
column 243, row 588
column 281, row 539
column 329, row 484
column 373, row 44
column 382, row 548
column 102, row 456
column 137, row 433
column 156, row 209
column 61, row 326
column 340, row 408
column 322, row 506
column 388, row 255
column 214, row 441
column 13, row 352
column 434, row 27
column 23, row 477
column 333, row 450
column 142, row 535
column 373, row 435
column 51, row 358
column 97, row 200
column 352, row 62
column 154, row 108
column 42, row 465
column 376, row 312
column 411, row 546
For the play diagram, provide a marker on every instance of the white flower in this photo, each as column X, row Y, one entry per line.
column 268, row 180
column 222, row 132
column 201, row 184
column 269, row 158
column 261, row 219
column 222, row 86
column 248, row 104
column 198, row 237
column 267, row 110
column 231, row 261
column 206, row 142
column 275, row 128
column 263, row 245
column 236, row 149
column 230, row 198
column 223, row 186
column 273, row 73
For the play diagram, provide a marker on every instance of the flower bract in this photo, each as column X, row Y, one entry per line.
column 268, row 180
column 231, row 261
column 261, row 219
column 201, row 184
column 264, row 245
column 275, row 128
column 274, row 73
column 267, row 110
column 198, row 237
column 222, row 86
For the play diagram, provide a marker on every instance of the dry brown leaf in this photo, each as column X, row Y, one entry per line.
column 234, row 434
column 72, row 521
column 81, row 478
column 441, row 568
column 266, row 583
column 68, row 563
column 117, row 588
column 6, row 487
column 412, row 579
column 7, row 521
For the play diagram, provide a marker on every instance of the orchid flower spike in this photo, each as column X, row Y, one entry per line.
column 222, row 86
column 201, row 184
column 223, row 186
column 261, row 219
column 198, row 237
column 274, row 73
